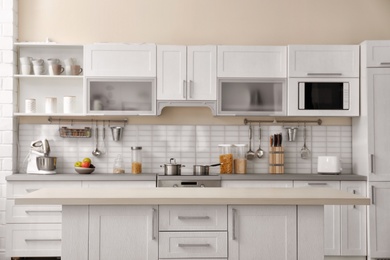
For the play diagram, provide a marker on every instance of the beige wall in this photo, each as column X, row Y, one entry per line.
column 246, row 22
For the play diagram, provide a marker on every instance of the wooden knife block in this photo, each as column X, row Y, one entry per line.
column 276, row 160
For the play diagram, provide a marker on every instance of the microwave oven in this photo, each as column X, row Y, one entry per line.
column 323, row 97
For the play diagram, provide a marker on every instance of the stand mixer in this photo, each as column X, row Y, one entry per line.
column 39, row 161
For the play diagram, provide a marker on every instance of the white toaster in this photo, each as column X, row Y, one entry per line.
column 329, row 165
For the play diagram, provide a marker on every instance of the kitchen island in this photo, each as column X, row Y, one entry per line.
column 185, row 223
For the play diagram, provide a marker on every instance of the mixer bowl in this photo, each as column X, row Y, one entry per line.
column 46, row 163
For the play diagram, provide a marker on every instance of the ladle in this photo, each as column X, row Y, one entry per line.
column 96, row 152
column 259, row 152
column 250, row 154
column 305, row 152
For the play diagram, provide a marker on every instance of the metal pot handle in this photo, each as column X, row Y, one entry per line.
column 172, row 159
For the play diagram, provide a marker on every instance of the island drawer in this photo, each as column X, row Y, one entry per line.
column 192, row 244
column 189, row 218
column 17, row 189
column 28, row 240
column 33, row 213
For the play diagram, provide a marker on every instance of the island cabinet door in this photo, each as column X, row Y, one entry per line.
column 262, row 232
column 123, row 232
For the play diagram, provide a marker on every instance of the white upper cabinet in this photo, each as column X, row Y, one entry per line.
column 252, row 61
column 376, row 54
column 186, row 72
column 323, row 61
column 130, row 60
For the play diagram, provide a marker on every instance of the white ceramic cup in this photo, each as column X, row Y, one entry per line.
column 25, row 60
column 25, row 69
column 30, row 105
column 53, row 61
column 69, row 104
column 38, row 62
column 51, row 105
column 70, row 62
column 38, row 70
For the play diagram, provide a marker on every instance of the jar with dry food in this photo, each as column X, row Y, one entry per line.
column 136, row 159
column 240, row 159
column 118, row 165
column 226, row 158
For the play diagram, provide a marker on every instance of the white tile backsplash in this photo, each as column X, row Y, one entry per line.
column 190, row 145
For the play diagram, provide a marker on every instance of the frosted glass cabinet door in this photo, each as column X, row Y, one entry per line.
column 122, row 96
column 252, row 97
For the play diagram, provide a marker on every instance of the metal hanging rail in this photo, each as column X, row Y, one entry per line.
column 318, row 121
column 71, row 121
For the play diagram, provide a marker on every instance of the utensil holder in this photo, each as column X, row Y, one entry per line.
column 116, row 132
column 291, row 133
column 276, row 160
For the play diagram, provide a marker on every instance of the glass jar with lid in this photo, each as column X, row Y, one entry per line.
column 226, row 158
column 136, row 159
column 240, row 160
column 118, row 165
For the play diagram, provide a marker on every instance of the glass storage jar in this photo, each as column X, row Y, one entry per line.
column 136, row 159
column 118, row 165
column 240, row 160
column 226, row 158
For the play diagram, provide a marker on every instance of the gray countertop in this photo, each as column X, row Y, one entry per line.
column 152, row 177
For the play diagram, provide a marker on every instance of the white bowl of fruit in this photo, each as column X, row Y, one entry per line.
column 84, row 167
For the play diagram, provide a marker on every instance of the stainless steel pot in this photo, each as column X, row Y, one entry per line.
column 172, row 168
column 46, row 163
column 203, row 169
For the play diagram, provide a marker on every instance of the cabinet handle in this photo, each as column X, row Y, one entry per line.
column 184, row 89
column 354, row 192
column 372, row 163
column 317, row 184
column 385, row 63
column 373, row 195
column 154, row 211
column 31, row 190
column 41, row 239
column 324, row 74
column 192, row 217
column 193, row 245
column 43, row 211
column 191, row 86
column 234, row 213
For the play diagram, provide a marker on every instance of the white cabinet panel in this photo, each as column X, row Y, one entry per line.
column 331, row 218
column 380, row 220
column 194, row 217
column 123, row 232
column 260, row 184
column 252, row 61
column 323, row 60
column 32, row 213
column 186, row 72
column 378, row 123
column 262, row 232
column 33, row 240
column 133, row 60
column 118, row 184
column 193, row 244
column 20, row 188
column 353, row 222
column 171, row 72
column 376, row 54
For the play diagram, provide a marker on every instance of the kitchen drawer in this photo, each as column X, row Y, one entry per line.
column 33, row 213
column 193, row 244
column 323, row 61
column 257, row 184
column 179, row 218
column 33, row 240
column 17, row 189
column 119, row 184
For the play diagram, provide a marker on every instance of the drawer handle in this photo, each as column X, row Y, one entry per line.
column 354, row 192
column 43, row 211
column 31, row 190
column 317, row 184
column 154, row 211
column 193, row 245
column 234, row 212
column 385, row 63
column 193, row 217
column 41, row 239
column 324, row 74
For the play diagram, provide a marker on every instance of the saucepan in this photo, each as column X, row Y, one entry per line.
column 172, row 168
column 203, row 169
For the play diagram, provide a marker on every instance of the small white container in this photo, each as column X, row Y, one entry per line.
column 69, row 104
column 51, row 105
column 30, row 105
